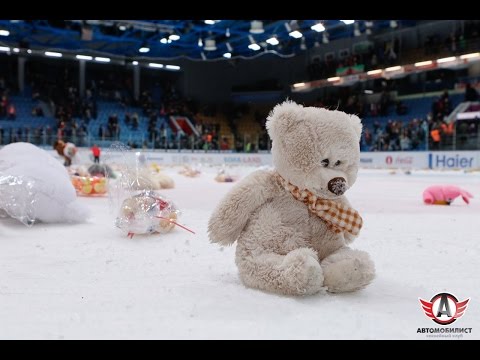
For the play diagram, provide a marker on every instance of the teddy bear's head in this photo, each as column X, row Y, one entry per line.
column 315, row 148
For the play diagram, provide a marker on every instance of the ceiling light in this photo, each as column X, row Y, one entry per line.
column 332, row 79
column 447, row 59
column 122, row 28
column 135, row 63
column 368, row 92
column 393, row 68
column 53, row 54
column 348, row 22
column 318, row 27
column 210, row 22
column 253, row 44
column 29, row 51
column 227, row 55
column 144, row 49
column 297, row 85
column 423, row 63
column 102, row 59
column 163, row 40
column 174, row 37
column 83, row 57
column 4, row 32
column 393, row 24
column 4, row 48
column 200, row 42
column 295, row 34
column 256, row 27
column 16, row 50
column 273, row 41
column 374, row 72
column 470, row 56
column 155, row 65
column 172, row 67
column 210, row 45
column 227, row 32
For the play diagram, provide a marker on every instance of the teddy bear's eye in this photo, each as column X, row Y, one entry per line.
column 338, row 163
column 325, row 162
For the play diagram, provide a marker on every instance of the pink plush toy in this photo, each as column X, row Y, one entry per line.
column 444, row 194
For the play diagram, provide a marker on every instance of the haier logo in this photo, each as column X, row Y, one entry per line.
column 446, row 161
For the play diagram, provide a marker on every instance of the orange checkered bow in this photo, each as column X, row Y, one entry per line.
column 338, row 217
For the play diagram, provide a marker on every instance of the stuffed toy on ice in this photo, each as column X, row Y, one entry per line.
column 444, row 194
column 67, row 150
column 53, row 195
column 293, row 224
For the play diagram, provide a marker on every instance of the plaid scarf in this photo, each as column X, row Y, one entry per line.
column 338, row 217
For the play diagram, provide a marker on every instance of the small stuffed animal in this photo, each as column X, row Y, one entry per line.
column 293, row 224
column 66, row 150
column 444, row 194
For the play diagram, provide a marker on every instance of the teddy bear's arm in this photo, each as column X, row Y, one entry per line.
column 235, row 209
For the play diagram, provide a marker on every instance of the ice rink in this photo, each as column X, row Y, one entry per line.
column 91, row 281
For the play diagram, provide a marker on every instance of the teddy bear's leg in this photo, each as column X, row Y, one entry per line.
column 347, row 270
column 297, row 273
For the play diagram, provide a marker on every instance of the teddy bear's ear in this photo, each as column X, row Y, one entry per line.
column 282, row 117
column 357, row 125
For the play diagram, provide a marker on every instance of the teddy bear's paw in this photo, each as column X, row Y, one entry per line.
column 350, row 273
column 302, row 273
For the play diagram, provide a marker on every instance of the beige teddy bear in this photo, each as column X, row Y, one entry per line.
column 293, row 224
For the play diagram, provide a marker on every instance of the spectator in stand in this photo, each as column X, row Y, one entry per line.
column 96, row 153
column 12, row 112
column 436, row 137
column 470, row 93
column 224, row 145
column 37, row 111
column 405, row 142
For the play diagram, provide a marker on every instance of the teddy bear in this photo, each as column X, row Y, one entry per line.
column 293, row 224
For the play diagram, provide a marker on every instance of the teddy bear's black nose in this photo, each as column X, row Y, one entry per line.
column 337, row 186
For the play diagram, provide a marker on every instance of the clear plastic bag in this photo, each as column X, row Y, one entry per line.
column 138, row 209
column 225, row 175
column 17, row 198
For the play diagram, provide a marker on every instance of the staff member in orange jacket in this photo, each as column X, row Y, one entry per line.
column 96, row 154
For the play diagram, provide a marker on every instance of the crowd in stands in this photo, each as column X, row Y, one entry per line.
column 61, row 99
column 388, row 53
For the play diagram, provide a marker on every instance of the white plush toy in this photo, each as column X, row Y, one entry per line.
column 293, row 225
column 55, row 199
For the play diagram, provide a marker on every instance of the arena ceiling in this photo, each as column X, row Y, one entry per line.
column 194, row 39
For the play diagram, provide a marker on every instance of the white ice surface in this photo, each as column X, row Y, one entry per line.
column 91, row 281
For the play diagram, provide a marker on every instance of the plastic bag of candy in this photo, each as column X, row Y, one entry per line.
column 89, row 185
column 224, row 175
column 190, row 171
column 138, row 210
